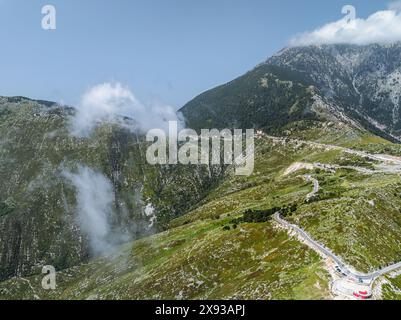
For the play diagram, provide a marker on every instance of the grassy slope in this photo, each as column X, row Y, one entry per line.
column 198, row 261
column 361, row 223
column 196, row 258
column 356, row 215
column 391, row 289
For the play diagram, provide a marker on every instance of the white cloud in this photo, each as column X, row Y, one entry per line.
column 109, row 102
column 381, row 27
column 94, row 200
column 94, row 207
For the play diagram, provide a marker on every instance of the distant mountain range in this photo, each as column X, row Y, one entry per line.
column 355, row 84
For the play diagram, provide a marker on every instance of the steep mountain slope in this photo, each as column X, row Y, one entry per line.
column 325, row 106
column 39, row 210
column 268, row 97
column 355, row 84
column 363, row 80
column 228, row 247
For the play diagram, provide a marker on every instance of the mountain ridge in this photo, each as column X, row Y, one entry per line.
column 214, row 235
column 359, row 84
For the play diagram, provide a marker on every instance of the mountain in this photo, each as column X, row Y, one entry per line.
column 354, row 84
column 326, row 160
column 39, row 220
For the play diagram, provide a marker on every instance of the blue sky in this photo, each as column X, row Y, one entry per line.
column 165, row 51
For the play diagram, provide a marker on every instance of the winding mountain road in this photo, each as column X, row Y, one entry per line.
column 369, row 277
column 315, row 186
column 387, row 164
column 383, row 158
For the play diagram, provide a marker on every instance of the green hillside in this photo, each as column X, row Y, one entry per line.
column 212, row 252
column 38, row 206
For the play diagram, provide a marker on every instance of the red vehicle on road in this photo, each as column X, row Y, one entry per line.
column 362, row 295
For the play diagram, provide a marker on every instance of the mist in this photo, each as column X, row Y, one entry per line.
column 116, row 104
column 111, row 102
column 94, row 194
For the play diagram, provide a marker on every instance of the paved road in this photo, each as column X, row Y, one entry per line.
column 369, row 277
column 390, row 164
column 315, row 186
column 384, row 158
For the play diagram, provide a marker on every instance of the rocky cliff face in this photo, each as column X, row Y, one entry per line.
column 356, row 84
column 40, row 220
column 364, row 80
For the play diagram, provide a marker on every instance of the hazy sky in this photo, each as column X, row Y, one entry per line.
column 165, row 51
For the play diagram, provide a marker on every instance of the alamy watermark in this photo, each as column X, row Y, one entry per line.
column 187, row 147
column 49, row 280
column 49, row 21
column 350, row 13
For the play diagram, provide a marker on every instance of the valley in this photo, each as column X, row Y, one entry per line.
column 319, row 217
column 182, row 253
